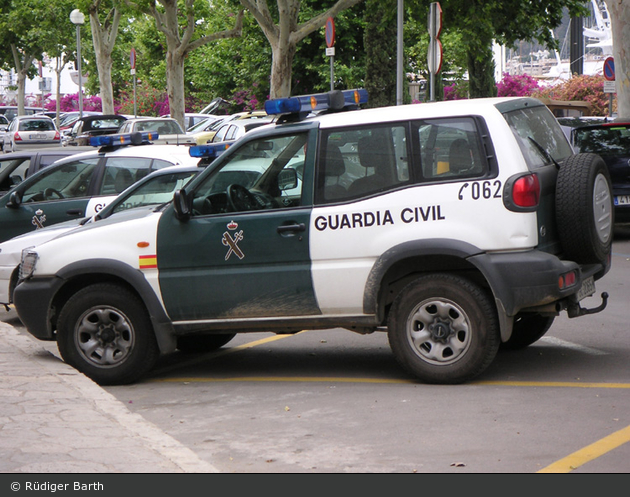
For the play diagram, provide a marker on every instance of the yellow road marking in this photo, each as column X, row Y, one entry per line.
column 590, row 452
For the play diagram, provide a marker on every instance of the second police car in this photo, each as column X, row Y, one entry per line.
column 457, row 227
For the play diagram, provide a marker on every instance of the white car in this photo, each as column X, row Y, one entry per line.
column 169, row 131
column 30, row 132
column 155, row 189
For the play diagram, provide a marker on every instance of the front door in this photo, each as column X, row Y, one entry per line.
column 244, row 253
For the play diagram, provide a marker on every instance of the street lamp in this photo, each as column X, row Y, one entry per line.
column 78, row 18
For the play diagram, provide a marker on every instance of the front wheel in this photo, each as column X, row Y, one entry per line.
column 105, row 332
column 443, row 329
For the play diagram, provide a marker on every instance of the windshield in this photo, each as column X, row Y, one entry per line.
column 536, row 127
column 155, row 191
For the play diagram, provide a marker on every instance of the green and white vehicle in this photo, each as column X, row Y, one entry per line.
column 455, row 227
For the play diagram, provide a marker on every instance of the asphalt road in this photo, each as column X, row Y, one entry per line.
column 335, row 402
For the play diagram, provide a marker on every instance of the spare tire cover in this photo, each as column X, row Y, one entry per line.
column 584, row 209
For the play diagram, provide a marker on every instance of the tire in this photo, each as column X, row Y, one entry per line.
column 199, row 344
column 528, row 328
column 105, row 332
column 443, row 329
column 584, row 209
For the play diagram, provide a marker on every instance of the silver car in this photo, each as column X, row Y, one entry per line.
column 27, row 132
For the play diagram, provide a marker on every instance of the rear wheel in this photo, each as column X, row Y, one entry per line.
column 527, row 329
column 443, row 329
column 105, row 332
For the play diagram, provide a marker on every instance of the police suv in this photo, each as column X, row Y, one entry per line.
column 456, row 227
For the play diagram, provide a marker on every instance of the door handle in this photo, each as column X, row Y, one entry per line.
column 74, row 212
column 291, row 227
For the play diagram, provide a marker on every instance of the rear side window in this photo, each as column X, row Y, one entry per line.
column 355, row 162
column 122, row 172
column 538, row 133
column 450, row 149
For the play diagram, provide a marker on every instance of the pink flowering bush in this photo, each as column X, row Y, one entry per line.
column 70, row 103
column 457, row 91
column 521, row 85
column 582, row 87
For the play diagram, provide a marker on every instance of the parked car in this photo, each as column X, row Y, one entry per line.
column 610, row 139
column 169, row 131
column 155, row 189
column 86, row 127
column 207, row 135
column 11, row 111
column 232, row 130
column 17, row 166
column 456, row 227
column 190, row 119
column 26, row 132
column 67, row 120
column 82, row 184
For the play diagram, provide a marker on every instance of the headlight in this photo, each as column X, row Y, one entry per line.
column 28, row 264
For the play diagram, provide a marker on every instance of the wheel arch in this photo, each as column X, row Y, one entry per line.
column 90, row 271
column 404, row 262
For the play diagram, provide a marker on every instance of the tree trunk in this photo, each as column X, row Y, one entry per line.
column 175, row 86
column 281, row 70
column 619, row 12
column 104, row 39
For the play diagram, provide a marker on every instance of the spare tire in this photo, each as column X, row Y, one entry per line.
column 584, row 209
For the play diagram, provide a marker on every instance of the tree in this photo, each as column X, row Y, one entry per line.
column 620, row 22
column 19, row 26
column 380, row 50
column 181, row 40
column 506, row 21
column 104, row 34
column 284, row 35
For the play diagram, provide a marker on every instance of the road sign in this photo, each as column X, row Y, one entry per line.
column 609, row 69
column 132, row 58
column 330, row 32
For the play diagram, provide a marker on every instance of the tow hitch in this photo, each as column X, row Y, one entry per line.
column 575, row 311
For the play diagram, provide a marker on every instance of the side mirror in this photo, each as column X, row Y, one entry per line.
column 16, row 179
column 181, row 205
column 287, row 179
column 15, row 200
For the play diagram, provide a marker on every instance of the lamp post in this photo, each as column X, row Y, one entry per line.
column 78, row 18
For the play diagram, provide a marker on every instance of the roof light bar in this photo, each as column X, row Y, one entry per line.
column 333, row 100
column 202, row 151
column 124, row 139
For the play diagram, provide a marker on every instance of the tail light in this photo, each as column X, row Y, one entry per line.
column 526, row 191
column 17, row 137
column 57, row 136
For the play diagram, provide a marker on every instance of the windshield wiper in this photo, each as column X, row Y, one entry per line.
column 544, row 152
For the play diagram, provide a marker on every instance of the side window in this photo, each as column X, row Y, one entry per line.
column 122, row 172
column 262, row 174
column 450, row 148
column 220, row 136
column 355, row 162
column 71, row 180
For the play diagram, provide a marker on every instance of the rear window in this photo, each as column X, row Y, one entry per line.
column 605, row 140
column 37, row 125
column 536, row 128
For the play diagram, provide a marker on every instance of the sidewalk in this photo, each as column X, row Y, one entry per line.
column 54, row 419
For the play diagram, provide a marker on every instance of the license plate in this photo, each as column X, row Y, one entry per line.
column 587, row 289
column 622, row 200
column 37, row 137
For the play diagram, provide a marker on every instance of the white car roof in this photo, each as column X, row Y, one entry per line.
column 177, row 154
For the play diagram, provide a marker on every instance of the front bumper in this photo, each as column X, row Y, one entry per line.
column 33, row 302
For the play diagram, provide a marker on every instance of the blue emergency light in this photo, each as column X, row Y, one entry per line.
column 202, row 151
column 333, row 100
column 137, row 138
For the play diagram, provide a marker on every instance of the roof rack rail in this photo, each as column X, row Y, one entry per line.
column 296, row 108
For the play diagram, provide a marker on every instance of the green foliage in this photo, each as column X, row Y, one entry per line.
column 380, row 52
